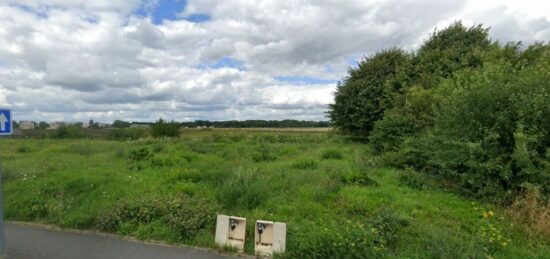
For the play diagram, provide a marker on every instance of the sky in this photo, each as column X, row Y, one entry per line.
column 139, row 60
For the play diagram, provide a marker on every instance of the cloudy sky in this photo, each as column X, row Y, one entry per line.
column 76, row 60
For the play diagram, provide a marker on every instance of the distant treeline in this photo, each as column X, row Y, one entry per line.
column 250, row 124
column 257, row 124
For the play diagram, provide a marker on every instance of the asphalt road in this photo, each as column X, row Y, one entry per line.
column 29, row 242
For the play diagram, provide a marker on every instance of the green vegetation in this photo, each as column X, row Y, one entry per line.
column 334, row 194
column 126, row 134
column 165, row 129
column 457, row 165
column 463, row 108
column 69, row 131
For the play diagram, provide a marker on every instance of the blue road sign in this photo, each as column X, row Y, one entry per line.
column 5, row 122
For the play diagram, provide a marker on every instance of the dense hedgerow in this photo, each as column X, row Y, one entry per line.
column 470, row 110
column 492, row 132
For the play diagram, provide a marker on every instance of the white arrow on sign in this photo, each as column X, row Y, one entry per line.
column 3, row 122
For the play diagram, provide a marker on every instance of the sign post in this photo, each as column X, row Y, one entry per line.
column 6, row 128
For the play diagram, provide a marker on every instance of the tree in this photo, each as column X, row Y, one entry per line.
column 121, row 124
column 449, row 50
column 361, row 99
column 165, row 129
column 43, row 125
column 93, row 125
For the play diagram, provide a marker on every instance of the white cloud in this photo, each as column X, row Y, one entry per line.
column 80, row 60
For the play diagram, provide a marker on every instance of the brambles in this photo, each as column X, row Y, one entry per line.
column 345, row 239
column 140, row 155
column 184, row 215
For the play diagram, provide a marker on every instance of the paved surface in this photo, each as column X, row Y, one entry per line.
column 31, row 242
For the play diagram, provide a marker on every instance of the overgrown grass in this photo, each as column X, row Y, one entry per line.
column 336, row 199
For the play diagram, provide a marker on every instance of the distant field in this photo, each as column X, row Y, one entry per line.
column 102, row 133
column 337, row 199
column 268, row 129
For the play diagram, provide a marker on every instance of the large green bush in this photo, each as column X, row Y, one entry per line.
column 492, row 130
column 388, row 134
column 165, row 129
column 467, row 109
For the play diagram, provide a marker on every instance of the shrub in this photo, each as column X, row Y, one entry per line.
column 413, row 179
column 165, row 129
column 120, row 124
column 183, row 214
column 491, row 131
column 389, row 133
column 23, row 149
column 305, row 164
column 140, row 155
column 332, row 153
column 69, row 131
column 126, row 134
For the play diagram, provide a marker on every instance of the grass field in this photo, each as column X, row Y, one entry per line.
column 336, row 198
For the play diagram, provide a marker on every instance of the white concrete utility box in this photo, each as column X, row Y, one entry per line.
column 269, row 237
column 230, row 231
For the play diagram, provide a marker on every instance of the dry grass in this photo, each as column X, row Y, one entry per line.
column 532, row 210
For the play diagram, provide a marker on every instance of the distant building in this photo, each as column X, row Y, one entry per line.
column 86, row 125
column 204, row 127
column 26, row 125
column 55, row 125
column 140, row 126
